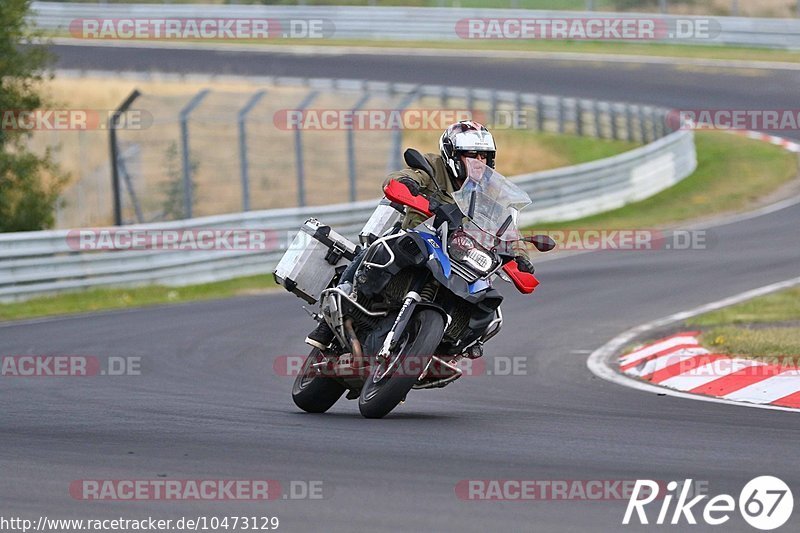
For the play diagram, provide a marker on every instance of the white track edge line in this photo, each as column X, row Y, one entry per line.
column 601, row 365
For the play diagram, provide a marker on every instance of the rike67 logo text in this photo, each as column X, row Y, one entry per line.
column 765, row 503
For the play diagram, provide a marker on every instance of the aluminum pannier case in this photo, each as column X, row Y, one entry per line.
column 312, row 260
column 384, row 218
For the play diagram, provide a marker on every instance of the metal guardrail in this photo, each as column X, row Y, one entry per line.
column 36, row 263
column 410, row 23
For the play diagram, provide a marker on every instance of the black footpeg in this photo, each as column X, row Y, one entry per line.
column 474, row 352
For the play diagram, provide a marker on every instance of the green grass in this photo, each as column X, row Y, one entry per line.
column 732, row 173
column 582, row 149
column 777, row 344
column 763, row 328
column 740, row 53
column 777, row 307
column 107, row 299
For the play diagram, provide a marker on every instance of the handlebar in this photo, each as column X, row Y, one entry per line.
column 399, row 193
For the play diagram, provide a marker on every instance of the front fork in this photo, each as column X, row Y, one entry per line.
column 410, row 302
column 390, row 343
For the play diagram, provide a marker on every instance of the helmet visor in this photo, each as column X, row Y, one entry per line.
column 474, row 141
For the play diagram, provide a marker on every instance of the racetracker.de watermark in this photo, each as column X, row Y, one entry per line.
column 435, row 119
column 734, row 119
column 253, row 240
column 261, row 240
column 35, row 366
column 623, row 239
column 372, row 119
column 591, row 28
column 560, row 489
column 197, row 489
column 413, row 366
column 73, row 119
column 202, row 28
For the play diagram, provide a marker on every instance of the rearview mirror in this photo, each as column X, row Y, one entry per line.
column 414, row 159
column 543, row 243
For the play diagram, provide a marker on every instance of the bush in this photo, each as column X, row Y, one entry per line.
column 30, row 184
column 631, row 5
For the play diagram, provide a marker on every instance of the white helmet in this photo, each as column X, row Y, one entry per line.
column 460, row 139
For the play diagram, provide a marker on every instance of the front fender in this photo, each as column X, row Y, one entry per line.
column 438, row 309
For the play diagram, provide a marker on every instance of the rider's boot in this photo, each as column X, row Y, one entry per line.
column 323, row 335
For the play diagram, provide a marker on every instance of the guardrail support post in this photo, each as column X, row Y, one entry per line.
column 351, row 149
column 493, row 108
column 612, row 113
column 651, row 119
column 187, row 165
column 113, row 122
column 659, row 125
column 642, row 124
column 395, row 157
column 578, row 118
column 298, row 151
column 598, row 130
column 560, row 115
column 629, row 122
column 539, row 114
column 243, row 164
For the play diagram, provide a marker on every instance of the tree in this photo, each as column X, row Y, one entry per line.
column 30, row 184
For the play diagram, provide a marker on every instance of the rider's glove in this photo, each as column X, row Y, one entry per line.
column 524, row 264
column 412, row 185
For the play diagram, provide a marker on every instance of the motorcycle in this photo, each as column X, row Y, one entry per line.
column 422, row 299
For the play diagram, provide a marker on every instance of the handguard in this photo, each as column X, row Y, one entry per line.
column 399, row 193
column 523, row 281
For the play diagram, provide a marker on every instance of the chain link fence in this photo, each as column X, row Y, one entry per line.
column 295, row 143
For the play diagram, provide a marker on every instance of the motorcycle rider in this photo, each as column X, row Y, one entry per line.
column 460, row 141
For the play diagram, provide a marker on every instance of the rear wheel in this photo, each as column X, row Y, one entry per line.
column 390, row 381
column 315, row 393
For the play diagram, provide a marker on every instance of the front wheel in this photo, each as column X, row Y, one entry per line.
column 390, row 381
column 315, row 393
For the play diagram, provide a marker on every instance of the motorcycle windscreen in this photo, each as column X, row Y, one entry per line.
column 490, row 201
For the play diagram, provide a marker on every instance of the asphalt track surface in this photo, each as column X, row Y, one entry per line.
column 209, row 405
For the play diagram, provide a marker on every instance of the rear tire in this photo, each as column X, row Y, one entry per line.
column 313, row 393
column 379, row 396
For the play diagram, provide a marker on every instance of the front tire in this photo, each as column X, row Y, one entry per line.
column 314, row 393
column 384, row 389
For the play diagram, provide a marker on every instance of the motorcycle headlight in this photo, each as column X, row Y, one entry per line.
column 478, row 260
column 463, row 248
